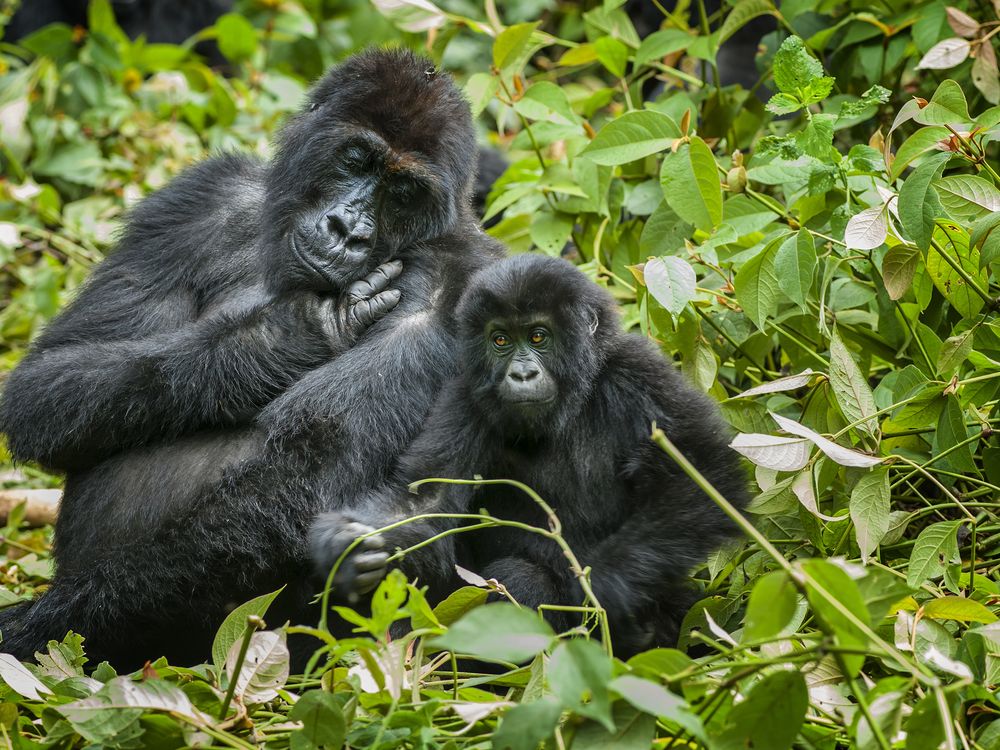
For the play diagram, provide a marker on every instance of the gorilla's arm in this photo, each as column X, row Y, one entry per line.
column 433, row 565
column 133, row 359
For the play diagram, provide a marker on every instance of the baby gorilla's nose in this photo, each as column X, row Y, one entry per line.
column 522, row 372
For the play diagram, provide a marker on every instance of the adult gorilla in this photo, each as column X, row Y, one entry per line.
column 553, row 394
column 198, row 390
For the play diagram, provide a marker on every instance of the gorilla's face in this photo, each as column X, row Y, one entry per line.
column 534, row 331
column 521, row 385
column 378, row 162
column 364, row 201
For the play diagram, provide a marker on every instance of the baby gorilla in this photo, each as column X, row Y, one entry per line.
column 553, row 394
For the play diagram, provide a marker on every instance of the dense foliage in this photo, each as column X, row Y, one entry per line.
column 819, row 254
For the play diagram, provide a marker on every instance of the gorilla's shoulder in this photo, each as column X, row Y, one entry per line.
column 222, row 183
column 641, row 378
column 211, row 209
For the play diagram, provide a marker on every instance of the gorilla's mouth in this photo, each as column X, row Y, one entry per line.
column 530, row 401
column 346, row 256
column 308, row 262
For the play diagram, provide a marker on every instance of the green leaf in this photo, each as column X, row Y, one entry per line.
column 954, row 242
column 965, row 196
column 633, row 136
column 235, row 624
column 772, row 606
column 415, row 16
column 237, row 37
column 870, row 509
column 745, row 216
column 783, row 104
column 958, row 608
column 922, row 411
column 951, row 431
column 551, row 231
column 635, row 731
column 954, row 351
column 741, row 14
column 757, row 288
column 527, row 725
column 898, row 269
column 480, row 90
column 323, row 723
column 985, row 239
column 510, row 44
column 918, row 202
column 691, row 184
column 582, row 54
column 923, row 141
column 547, row 102
column 794, row 68
column 612, row 54
column 498, row 632
column 458, row 602
column 81, row 163
column 671, row 281
column 662, row 43
column 795, row 266
column 947, row 107
column 847, row 598
column 936, row 546
column 654, row 699
column 579, row 672
column 850, row 387
column 771, row 715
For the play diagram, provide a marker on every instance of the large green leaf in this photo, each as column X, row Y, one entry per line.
column 499, row 632
column 870, row 509
column 770, row 716
column 691, row 184
column 757, row 288
column 633, row 136
column 936, row 547
column 850, row 388
column 952, row 244
column 235, row 624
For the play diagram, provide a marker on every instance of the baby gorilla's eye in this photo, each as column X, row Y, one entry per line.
column 538, row 336
column 500, row 340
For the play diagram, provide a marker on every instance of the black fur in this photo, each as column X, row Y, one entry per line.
column 626, row 509
column 202, row 414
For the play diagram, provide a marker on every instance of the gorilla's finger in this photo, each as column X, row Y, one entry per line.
column 376, row 542
column 371, row 561
column 384, row 302
column 375, row 282
column 368, row 581
column 366, row 312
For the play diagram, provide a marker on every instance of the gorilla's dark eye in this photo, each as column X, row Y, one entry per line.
column 500, row 340
column 538, row 337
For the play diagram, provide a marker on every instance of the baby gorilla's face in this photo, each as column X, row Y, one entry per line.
column 521, row 352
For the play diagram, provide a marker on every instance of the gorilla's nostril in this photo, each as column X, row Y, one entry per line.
column 522, row 373
column 335, row 225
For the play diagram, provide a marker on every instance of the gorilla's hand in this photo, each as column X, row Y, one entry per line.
column 362, row 569
column 363, row 303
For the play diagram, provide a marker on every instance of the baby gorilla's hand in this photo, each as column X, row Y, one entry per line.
column 362, row 569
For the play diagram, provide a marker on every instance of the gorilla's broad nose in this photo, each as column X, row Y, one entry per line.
column 522, row 372
column 347, row 221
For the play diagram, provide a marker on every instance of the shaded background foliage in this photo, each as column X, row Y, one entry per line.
column 815, row 246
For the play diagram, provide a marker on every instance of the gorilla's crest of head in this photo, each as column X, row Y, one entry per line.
column 536, row 332
column 386, row 118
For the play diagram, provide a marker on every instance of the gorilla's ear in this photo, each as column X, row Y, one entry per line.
column 595, row 321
